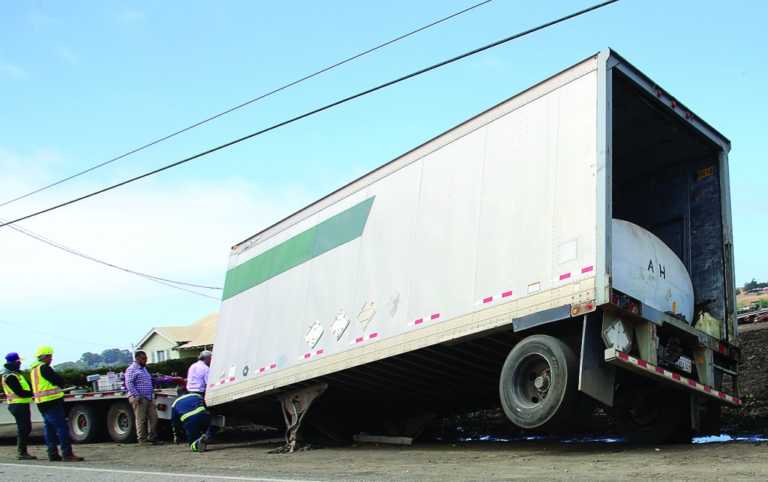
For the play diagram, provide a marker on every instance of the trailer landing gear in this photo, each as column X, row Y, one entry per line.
column 295, row 405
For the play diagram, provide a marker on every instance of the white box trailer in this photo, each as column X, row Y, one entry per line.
column 574, row 239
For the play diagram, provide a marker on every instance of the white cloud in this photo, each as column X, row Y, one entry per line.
column 179, row 231
column 12, row 71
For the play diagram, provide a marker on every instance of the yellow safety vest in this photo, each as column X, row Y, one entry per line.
column 10, row 396
column 44, row 390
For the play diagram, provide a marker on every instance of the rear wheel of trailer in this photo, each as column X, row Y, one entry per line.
column 538, row 386
column 86, row 423
column 121, row 423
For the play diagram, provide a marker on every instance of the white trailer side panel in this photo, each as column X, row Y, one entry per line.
column 491, row 221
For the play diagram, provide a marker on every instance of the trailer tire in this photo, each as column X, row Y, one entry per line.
column 648, row 414
column 710, row 419
column 121, row 423
column 85, row 423
column 538, row 384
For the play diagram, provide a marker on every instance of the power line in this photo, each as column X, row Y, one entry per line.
column 247, row 102
column 179, row 285
column 318, row 110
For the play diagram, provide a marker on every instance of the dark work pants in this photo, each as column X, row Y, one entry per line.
column 56, row 429
column 21, row 413
column 198, row 424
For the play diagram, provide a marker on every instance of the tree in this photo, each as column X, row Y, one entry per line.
column 754, row 284
column 116, row 356
column 91, row 360
column 69, row 366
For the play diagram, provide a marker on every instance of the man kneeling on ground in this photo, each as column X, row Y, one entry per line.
column 189, row 414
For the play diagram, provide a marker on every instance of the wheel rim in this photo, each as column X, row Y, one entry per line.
column 80, row 427
column 122, row 423
column 532, row 380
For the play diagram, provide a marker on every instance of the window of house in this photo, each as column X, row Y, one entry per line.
column 160, row 356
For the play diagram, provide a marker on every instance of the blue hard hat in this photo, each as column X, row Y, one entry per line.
column 12, row 357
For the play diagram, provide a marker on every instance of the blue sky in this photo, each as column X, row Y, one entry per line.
column 83, row 81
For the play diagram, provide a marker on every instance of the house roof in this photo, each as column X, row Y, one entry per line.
column 204, row 332
column 199, row 333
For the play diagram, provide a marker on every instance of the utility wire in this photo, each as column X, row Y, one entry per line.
column 246, row 103
column 318, row 110
column 180, row 285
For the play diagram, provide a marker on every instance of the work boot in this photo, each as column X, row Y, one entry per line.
column 202, row 444
column 54, row 457
column 72, row 458
column 198, row 445
column 25, row 457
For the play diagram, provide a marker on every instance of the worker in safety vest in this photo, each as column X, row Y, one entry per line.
column 189, row 412
column 49, row 397
column 18, row 396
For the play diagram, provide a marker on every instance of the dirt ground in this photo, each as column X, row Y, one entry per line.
column 477, row 461
column 753, row 382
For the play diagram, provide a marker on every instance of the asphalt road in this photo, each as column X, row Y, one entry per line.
column 519, row 460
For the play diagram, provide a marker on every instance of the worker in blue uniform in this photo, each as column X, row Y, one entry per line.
column 189, row 413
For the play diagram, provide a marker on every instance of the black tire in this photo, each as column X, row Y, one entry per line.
column 86, row 423
column 121, row 423
column 652, row 414
column 711, row 419
column 538, row 385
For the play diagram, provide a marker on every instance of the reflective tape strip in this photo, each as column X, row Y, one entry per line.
column 616, row 357
column 35, row 378
column 199, row 409
column 311, row 354
column 423, row 319
column 45, row 393
column 363, row 338
column 188, row 395
column 493, row 298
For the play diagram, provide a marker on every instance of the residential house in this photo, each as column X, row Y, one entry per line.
column 163, row 343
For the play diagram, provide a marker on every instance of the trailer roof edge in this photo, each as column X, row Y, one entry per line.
column 317, row 204
column 644, row 81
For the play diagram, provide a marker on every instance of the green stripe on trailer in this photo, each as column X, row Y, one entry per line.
column 329, row 234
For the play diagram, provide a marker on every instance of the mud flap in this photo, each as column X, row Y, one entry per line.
column 596, row 378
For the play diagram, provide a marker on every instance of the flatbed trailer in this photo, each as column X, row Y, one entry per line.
column 570, row 246
column 94, row 414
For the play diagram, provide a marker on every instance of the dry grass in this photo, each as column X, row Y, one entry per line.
column 745, row 300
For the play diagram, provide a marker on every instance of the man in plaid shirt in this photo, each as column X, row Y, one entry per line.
column 141, row 395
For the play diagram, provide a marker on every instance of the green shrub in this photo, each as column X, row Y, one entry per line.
column 176, row 367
